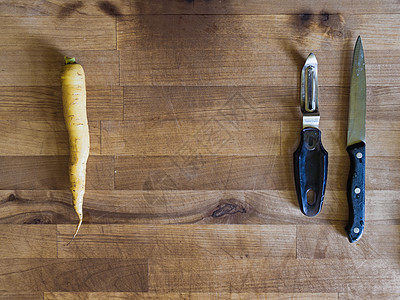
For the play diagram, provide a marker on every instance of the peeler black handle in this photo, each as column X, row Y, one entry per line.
column 310, row 171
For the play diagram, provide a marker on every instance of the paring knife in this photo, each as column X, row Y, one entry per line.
column 356, row 145
column 310, row 158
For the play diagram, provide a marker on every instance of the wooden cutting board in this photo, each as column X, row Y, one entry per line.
column 194, row 116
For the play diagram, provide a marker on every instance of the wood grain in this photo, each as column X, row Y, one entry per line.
column 247, row 32
column 64, row 9
column 72, row 275
column 29, row 33
column 219, row 68
column 334, row 137
column 185, row 138
column 268, row 275
column 242, row 173
column 184, row 241
column 158, row 104
column 189, row 207
column 320, row 242
column 42, row 138
column 27, row 67
column 21, row 295
column 383, row 296
column 194, row 117
column 51, row 172
column 382, row 165
column 191, row 295
column 45, row 103
column 36, row 207
column 176, row 103
column 199, row 172
column 186, row 172
column 250, row 67
column 27, row 241
column 382, row 104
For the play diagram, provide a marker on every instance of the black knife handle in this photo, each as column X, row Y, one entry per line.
column 356, row 192
column 310, row 171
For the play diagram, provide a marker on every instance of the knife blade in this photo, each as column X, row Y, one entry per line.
column 310, row 158
column 356, row 145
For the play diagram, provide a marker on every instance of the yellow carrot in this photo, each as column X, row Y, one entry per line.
column 74, row 105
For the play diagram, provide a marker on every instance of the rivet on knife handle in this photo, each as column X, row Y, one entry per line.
column 310, row 158
column 356, row 146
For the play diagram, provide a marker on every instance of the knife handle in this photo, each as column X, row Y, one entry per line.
column 356, row 192
column 310, row 171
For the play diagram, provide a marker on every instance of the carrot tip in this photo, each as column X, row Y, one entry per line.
column 76, row 231
column 69, row 60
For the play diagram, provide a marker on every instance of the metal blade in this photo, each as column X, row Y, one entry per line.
column 309, row 92
column 357, row 106
column 309, row 85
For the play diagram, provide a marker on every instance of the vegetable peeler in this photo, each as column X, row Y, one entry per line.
column 310, row 158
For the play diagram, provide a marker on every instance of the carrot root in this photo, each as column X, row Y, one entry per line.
column 74, row 106
column 76, row 230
